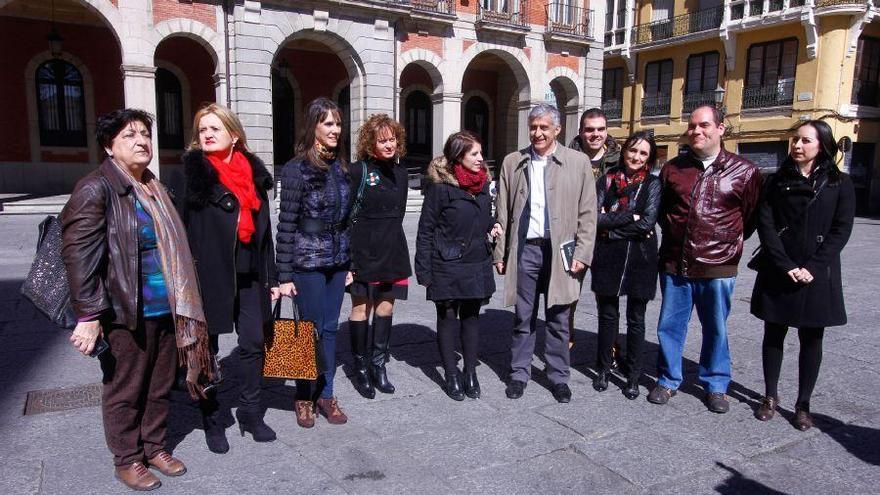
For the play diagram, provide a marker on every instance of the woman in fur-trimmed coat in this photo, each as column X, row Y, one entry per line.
column 454, row 253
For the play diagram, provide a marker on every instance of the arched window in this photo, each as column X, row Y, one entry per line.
column 476, row 119
column 418, row 123
column 169, row 110
column 60, row 104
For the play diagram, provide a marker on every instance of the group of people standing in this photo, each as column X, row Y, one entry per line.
column 160, row 276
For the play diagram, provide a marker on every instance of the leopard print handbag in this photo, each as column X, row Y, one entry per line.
column 293, row 348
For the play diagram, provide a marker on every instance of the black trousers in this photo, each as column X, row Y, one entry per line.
column 609, row 323
column 249, row 325
column 809, row 359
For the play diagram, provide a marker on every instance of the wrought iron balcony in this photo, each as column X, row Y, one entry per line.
column 443, row 7
column 834, row 3
column 653, row 106
column 694, row 100
column 680, row 25
column 505, row 15
column 613, row 109
column 866, row 93
column 769, row 95
column 569, row 21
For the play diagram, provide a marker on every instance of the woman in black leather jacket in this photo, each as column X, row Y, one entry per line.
column 625, row 256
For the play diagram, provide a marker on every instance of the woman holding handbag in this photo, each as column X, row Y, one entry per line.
column 379, row 255
column 454, row 254
column 805, row 218
column 133, row 283
column 625, row 256
column 313, row 245
column 226, row 212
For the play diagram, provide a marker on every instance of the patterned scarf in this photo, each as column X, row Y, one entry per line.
column 238, row 177
column 469, row 180
column 184, row 297
column 625, row 181
column 325, row 153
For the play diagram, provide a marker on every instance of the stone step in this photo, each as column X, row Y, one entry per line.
column 47, row 205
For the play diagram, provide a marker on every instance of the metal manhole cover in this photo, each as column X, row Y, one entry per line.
column 62, row 399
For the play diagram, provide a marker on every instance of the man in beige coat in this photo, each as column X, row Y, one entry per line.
column 546, row 198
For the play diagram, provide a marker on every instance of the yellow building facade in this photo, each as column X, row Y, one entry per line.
column 766, row 63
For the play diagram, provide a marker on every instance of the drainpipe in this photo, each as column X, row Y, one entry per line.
column 226, row 7
column 396, row 83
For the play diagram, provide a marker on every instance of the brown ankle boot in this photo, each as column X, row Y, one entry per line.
column 305, row 413
column 802, row 419
column 167, row 465
column 330, row 409
column 767, row 409
column 137, row 477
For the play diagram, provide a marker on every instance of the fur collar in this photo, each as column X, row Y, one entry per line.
column 440, row 172
column 202, row 182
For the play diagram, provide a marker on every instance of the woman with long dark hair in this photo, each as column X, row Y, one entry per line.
column 379, row 254
column 625, row 256
column 313, row 245
column 454, row 254
column 805, row 219
column 226, row 212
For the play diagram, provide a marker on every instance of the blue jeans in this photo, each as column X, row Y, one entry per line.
column 711, row 296
column 319, row 297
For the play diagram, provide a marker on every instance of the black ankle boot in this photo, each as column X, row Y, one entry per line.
column 252, row 422
column 453, row 385
column 631, row 391
column 359, row 331
column 471, row 385
column 215, row 430
column 600, row 383
column 381, row 341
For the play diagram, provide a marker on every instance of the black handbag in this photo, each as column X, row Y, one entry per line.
column 46, row 283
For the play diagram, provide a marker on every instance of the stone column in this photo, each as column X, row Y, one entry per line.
column 139, row 84
column 220, row 85
column 571, row 117
column 446, row 115
column 522, row 123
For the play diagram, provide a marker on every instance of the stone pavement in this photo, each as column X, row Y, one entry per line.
column 419, row 441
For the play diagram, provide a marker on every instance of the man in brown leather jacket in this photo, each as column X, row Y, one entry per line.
column 707, row 209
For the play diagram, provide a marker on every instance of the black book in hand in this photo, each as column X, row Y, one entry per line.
column 567, row 251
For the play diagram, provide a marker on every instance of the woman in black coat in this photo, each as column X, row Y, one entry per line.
column 454, row 253
column 804, row 220
column 625, row 256
column 226, row 212
column 379, row 255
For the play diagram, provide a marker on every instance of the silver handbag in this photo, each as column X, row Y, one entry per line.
column 46, row 283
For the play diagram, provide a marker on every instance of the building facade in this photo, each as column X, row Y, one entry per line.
column 437, row 65
column 767, row 63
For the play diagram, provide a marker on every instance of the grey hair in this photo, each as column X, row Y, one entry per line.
column 542, row 109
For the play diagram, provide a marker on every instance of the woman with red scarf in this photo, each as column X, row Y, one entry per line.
column 226, row 212
column 454, row 254
column 625, row 256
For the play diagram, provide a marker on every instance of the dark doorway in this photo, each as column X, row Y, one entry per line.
column 283, row 116
column 476, row 120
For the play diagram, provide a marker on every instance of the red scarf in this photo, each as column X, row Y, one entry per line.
column 468, row 180
column 624, row 181
column 238, row 177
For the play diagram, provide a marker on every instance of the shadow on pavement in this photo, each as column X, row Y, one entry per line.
column 737, row 484
column 860, row 441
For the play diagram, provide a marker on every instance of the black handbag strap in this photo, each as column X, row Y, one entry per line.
column 276, row 309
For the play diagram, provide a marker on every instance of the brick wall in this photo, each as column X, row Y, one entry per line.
column 197, row 11
column 558, row 60
column 428, row 42
column 467, row 6
column 196, row 63
column 415, row 74
column 95, row 47
column 317, row 73
column 538, row 12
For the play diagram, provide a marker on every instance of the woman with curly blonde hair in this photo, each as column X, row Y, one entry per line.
column 380, row 265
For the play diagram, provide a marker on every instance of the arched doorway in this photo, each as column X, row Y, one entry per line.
column 477, row 119
column 565, row 98
column 284, row 108
column 418, row 124
column 424, row 138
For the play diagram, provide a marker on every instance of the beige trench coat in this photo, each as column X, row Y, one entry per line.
column 571, row 199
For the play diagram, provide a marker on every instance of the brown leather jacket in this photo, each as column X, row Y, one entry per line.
column 100, row 247
column 706, row 214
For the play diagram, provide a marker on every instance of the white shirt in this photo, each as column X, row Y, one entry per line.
column 537, row 198
column 708, row 161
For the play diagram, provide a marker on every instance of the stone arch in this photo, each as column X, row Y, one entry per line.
column 209, row 39
column 88, row 95
column 185, row 103
column 515, row 59
column 427, row 60
column 566, row 78
column 103, row 9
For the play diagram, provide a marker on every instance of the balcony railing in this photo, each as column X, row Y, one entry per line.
column 680, row 25
column 569, row 20
column 694, row 100
column 770, row 95
column 613, row 109
column 504, row 16
column 433, row 6
column 656, row 105
column 866, row 93
column 832, row 3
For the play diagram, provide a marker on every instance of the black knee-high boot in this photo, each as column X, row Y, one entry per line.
column 381, row 345
column 361, row 357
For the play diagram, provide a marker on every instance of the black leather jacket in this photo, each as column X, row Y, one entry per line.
column 100, row 247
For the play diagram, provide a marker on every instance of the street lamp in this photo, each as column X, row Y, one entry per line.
column 55, row 39
column 719, row 100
